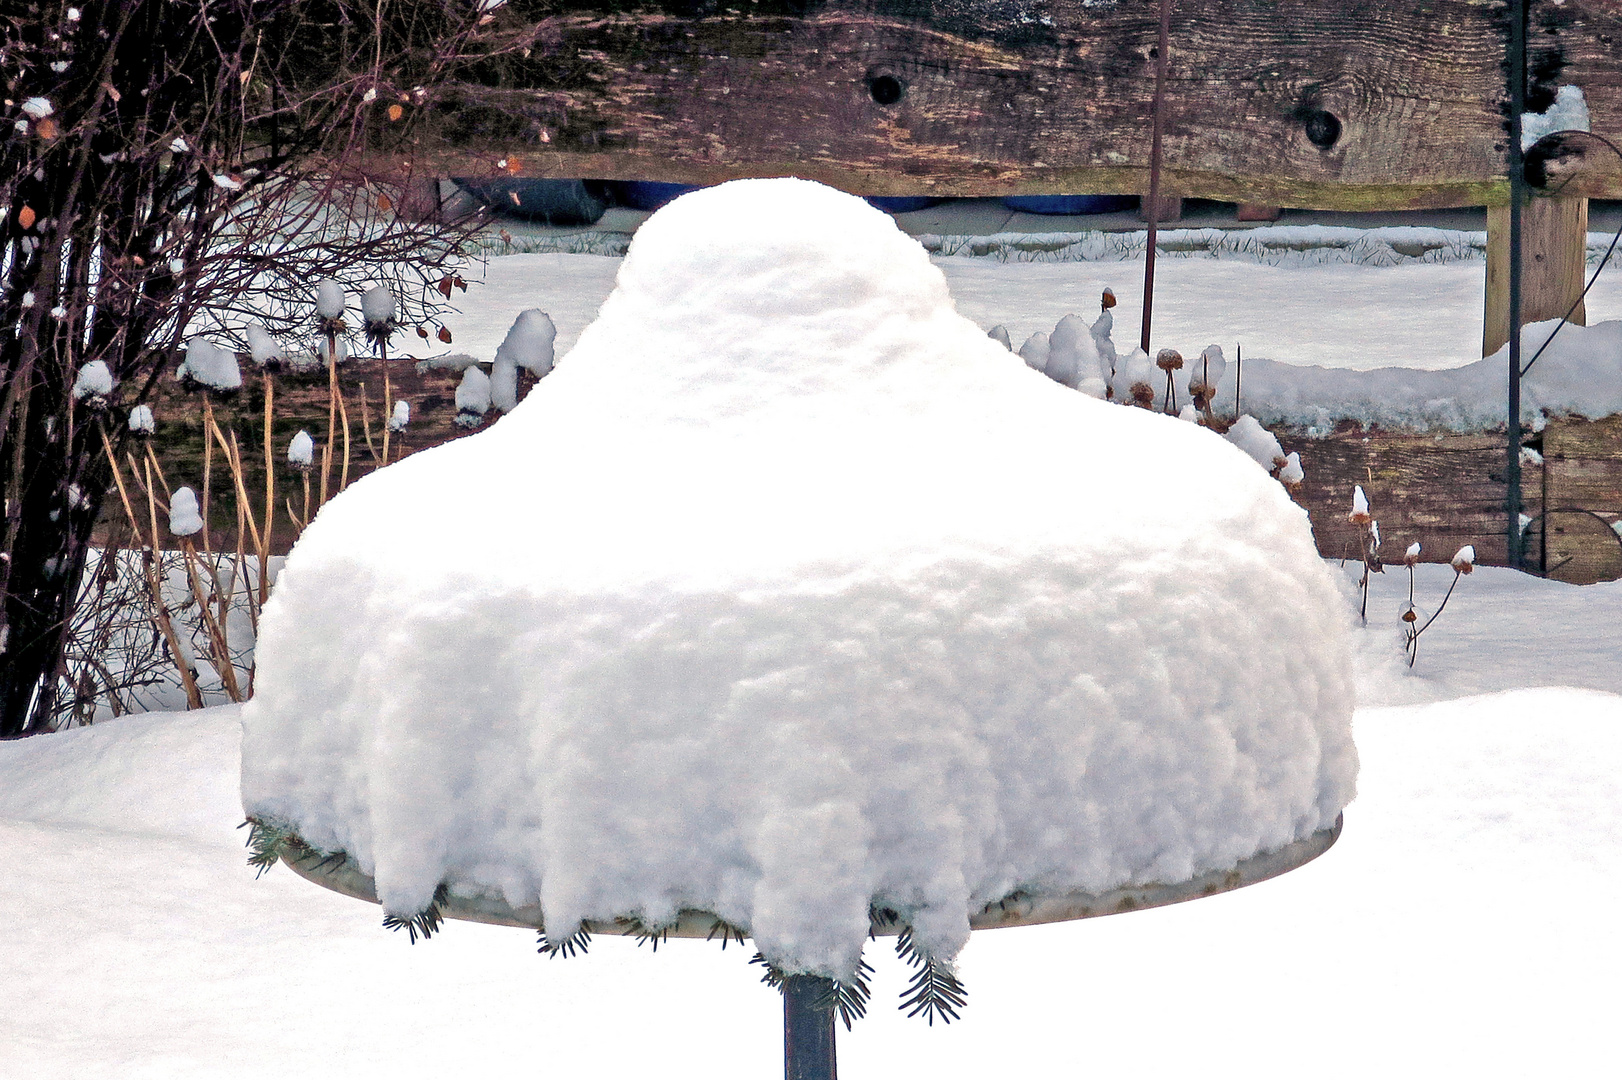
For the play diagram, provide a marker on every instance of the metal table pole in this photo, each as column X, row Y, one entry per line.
column 808, row 1028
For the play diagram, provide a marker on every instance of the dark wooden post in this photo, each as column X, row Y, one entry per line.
column 808, row 1028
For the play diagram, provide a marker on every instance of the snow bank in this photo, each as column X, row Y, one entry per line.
column 162, row 774
column 1579, row 374
column 821, row 599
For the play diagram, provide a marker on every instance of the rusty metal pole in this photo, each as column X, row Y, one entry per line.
column 808, row 1028
column 1153, row 214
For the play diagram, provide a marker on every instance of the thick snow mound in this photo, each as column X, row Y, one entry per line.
column 790, row 592
column 1578, row 374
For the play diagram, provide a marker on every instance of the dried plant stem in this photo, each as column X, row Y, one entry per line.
column 166, row 626
column 218, row 646
column 208, row 467
column 366, row 426
column 332, row 416
column 234, row 463
column 151, row 456
column 270, row 496
column 388, row 414
column 343, row 413
column 1413, row 635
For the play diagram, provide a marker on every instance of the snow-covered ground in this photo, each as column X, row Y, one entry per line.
column 1464, row 925
column 1342, row 315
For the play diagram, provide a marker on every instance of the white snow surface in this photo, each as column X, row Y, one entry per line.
column 1258, row 442
column 95, row 379
column 474, row 392
column 141, row 420
column 261, row 345
column 210, row 366
column 126, row 883
column 791, row 624
column 400, row 418
column 1568, row 113
column 185, row 518
column 529, row 342
column 377, row 304
column 301, row 450
column 1579, row 373
column 329, row 299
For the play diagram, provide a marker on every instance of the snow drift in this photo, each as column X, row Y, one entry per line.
column 790, row 592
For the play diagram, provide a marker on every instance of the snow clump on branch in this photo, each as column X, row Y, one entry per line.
column 94, row 384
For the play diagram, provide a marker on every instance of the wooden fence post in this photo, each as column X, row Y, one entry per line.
column 1554, row 245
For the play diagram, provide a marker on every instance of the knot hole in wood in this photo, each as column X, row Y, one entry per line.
column 885, row 88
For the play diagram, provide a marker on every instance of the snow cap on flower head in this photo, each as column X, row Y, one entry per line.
column 1360, row 507
column 329, row 299
column 1465, row 560
column 301, row 451
column 377, row 305
column 185, row 519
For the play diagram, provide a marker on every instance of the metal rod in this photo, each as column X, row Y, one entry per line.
column 808, row 1028
column 1517, row 199
column 1153, row 214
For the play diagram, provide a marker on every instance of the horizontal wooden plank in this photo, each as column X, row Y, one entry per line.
column 1357, row 105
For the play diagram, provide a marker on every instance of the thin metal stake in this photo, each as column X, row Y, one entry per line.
column 808, row 1028
column 1154, row 173
column 1517, row 198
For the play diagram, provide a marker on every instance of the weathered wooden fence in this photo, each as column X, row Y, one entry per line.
column 1351, row 105
column 1448, row 490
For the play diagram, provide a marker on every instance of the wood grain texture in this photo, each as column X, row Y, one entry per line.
column 1444, row 491
column 998, row 97
column 1583, row 491
column 1554, row 252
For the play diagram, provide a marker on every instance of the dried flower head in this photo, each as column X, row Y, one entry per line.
column 1109, row 299
column 1169, row 360
column 1464, row 562
column 1411, row 556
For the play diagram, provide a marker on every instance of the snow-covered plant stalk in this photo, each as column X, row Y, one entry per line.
column 185, row 521
column 301, row 456
column 1463, row 562
column 1370, row 544
column 388, row 415
column 161, row 617
column 1170, row 361
column 329, row 309
column 175, row 168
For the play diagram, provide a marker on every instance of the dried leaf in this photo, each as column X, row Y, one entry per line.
column 444, row 287
column 46, row 128
column 25, row 217
column 422, row 332
column 395, row 112
column 459, row 283
column 244, row 77
column 444, row 335
column 385, row 203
